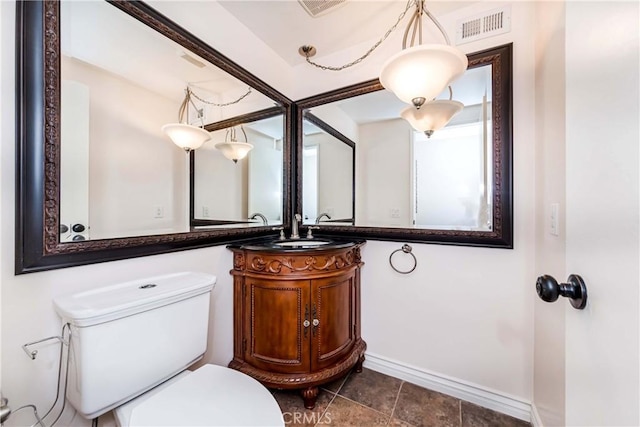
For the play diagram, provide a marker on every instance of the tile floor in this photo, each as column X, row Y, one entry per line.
column 371, row 399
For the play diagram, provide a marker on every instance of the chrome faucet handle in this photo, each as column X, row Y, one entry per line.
column 309, row 231
column 281, row 229
column 297, row 219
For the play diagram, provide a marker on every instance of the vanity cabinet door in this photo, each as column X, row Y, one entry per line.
column 275, row 333
column 333, row 311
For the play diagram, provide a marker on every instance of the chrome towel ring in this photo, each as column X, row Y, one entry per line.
column 407, row 250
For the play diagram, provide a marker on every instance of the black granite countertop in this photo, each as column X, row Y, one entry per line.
column 317, row 243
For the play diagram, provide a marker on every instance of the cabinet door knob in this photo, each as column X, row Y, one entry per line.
column 316, row 322
column 306, row 323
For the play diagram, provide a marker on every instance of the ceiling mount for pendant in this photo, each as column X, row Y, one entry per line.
column 307, row 51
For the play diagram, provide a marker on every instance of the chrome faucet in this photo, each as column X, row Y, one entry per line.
column 320, row 217
column 262, row 217
column 294, row 226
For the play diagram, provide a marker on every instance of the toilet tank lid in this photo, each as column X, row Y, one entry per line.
column 124, row 299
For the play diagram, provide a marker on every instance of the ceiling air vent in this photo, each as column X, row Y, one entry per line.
column 485, row 25
column 320, row 7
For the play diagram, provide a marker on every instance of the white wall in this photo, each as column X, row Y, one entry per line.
column 335, row 176
column 603, row 209
column 125, row 129
column 464, row 313
column 549, row 321
column 220, row 184
column 384, row 160
column 264, row 177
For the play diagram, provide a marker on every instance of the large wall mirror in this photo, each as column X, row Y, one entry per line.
column 452, row 187
column 98, row 179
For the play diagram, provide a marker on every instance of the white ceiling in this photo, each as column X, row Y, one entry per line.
column 284, row 25
column 100, row 35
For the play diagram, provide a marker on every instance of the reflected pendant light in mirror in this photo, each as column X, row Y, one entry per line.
column 233, row 149
column 432, row 115
column 184, row 135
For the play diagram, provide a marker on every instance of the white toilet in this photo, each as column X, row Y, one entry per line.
column 131, row 345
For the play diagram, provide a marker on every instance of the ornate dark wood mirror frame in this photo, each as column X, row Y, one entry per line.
column 38, row 53
column 501, row 236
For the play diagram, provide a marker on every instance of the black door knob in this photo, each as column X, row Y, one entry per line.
column 549, row 290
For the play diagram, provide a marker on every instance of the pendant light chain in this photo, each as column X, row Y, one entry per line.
column 410, row 3
column 224, row 104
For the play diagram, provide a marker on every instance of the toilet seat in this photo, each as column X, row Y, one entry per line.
column 209, row 396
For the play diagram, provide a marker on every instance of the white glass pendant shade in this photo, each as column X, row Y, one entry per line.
column 431, row 116
column 422, row 71
column 186, row 136
column 234, row 150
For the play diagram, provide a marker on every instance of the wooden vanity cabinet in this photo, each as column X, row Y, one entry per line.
column 297, row 316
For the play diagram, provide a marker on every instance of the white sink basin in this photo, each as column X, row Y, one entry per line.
column 302, row 243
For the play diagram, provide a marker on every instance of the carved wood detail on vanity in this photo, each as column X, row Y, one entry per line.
column 297, row 315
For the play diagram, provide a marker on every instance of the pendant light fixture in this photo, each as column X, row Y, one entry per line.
column 189, row 137
column 432, row 115
column 233, row 149
column 419, row 73
column 184, row 135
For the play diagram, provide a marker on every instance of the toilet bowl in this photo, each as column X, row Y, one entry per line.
column 130, row 346
column 209, row 396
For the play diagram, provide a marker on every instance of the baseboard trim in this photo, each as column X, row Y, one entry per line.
column 536, row 421
column 463, row 390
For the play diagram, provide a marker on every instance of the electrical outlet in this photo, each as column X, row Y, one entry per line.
column 205, row 211
column 394, row 212
column 554, row 220
column 158, row 211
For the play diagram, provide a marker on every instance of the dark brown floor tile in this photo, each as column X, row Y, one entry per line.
column 335, row 386
column 477, row 416
column 372, row 389
column 293, row 410
column 343, row 412
column 394, row 422
column 421, row 407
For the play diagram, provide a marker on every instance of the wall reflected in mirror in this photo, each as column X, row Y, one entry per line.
column 328, row 160
column 405, row 179
column 121, row 81
column 248, row 192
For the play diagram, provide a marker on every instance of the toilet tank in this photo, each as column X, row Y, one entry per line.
column 129, row 337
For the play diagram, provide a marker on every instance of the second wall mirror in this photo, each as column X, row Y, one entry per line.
column 454, row 186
